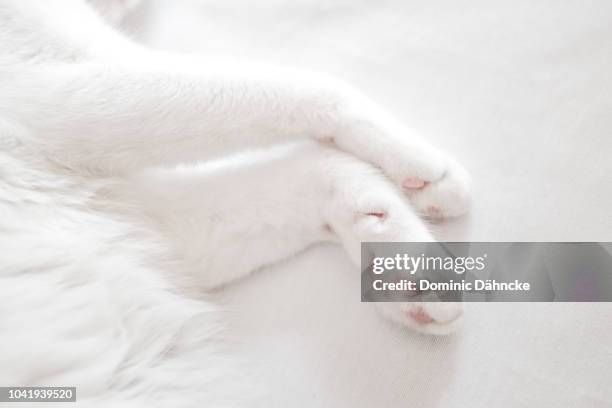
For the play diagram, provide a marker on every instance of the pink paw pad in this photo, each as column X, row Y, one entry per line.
column 420, row 316
column 413, row 183
column 377, row 214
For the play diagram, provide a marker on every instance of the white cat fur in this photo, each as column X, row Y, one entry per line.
column 122, row 187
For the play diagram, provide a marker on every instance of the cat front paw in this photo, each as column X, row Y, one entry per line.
column 362, row 205
column 438, row 186
column 446, row 197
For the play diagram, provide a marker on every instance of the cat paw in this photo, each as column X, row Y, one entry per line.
column 437, row 318
column 378, row 217
column 437, row 186
column 364, row 206
column 448, row 196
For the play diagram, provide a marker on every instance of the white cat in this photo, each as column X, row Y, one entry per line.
column 112, row 207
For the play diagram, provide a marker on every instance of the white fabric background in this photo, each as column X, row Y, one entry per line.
column 521, row 92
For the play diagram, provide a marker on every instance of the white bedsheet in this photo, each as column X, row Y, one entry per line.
column 521, row 92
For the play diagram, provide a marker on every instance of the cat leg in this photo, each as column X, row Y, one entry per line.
column 227, row 219
column 114, row 118
column 106, row 104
